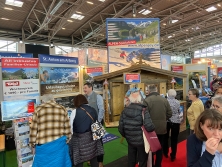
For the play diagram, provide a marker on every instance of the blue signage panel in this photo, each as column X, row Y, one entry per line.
column 49, row 59
column 17, row 55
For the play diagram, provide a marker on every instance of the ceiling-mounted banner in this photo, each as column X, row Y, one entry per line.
column 128, row 40
column 58, row 75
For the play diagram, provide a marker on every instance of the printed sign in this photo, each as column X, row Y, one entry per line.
column 12, row 110
column 130, row 39
column 20, row 77
column 49, row 59
column 59, row 80
column 15, row 55
column 130, row 78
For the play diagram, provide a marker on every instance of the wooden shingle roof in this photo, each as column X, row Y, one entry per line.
column 138, row 67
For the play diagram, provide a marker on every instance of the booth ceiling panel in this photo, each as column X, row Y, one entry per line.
column 185, row 24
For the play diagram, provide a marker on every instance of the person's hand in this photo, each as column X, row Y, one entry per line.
column 211, row 145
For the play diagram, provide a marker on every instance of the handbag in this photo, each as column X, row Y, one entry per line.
column 98, row 131
column 151, row 138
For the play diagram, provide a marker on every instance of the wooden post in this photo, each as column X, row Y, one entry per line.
column 106, row 102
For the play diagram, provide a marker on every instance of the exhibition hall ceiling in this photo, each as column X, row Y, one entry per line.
column 185, row 25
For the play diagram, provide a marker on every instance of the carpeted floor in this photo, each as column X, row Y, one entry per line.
column 115, row 153
column 180, row 160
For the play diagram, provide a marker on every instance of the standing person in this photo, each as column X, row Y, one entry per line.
column 211, row 83
column 195, row 108
column 49, row 133
column 173, row 124
column 204, row 147
column 217, row 103
column 95, row 101
column 82, row 146
column 130, row 124
column 160, row 112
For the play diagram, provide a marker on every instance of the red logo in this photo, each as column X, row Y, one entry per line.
column 12, row 83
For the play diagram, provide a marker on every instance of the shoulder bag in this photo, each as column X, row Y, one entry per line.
column 98, row 131
column 152, row 138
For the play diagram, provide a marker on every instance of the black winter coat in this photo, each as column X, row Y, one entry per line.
column 131, row 121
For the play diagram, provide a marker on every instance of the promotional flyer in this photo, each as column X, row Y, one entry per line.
column 128, row 40
column 20, row 77
column 58, row 74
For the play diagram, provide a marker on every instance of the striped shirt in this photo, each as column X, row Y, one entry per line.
column 49, row 122
column 175, row 107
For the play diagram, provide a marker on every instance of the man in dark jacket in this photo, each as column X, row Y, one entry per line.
column 160, row 111
column 130, row 124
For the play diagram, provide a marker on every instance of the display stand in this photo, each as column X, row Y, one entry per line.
column 24, row 151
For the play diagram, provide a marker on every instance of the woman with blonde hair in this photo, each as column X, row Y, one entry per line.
column 195, row 109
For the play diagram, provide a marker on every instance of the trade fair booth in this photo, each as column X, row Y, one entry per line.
column 118, row 86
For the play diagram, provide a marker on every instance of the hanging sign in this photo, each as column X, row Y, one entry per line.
column 130, row 78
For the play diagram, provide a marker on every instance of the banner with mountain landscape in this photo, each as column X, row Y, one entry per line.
column 130, row 39
column 20, row 79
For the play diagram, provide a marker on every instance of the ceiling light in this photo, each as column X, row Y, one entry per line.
column 170, row 36
column 102, row 0
column 174, row 21
column 4, row 18
column 142, row 11
column 210, row 9
column 164, row 24
column 14, row 3
column 151, row 8
column 77, row 16
column 63, row 28
column 219, row 5
column 146, row 12
column 197, row 28
column 134, row 10
column 70, row 21
column 8, row 8
column 91, row 3
column 78, row 12
column 20, row 40
column 187, row 30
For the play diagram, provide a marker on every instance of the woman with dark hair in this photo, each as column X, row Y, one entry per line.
column 204, row 148
column 195, row 109
column 82, row 146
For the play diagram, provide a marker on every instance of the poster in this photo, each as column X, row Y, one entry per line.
column 197, row 78
column 98, row 57
column 128, row 40
column 219, row 71
column 20, row 77
column 165, row 62
column 179, row 81
column 91, row 72
column 12, row 110
column 59, row 80
column 131, row 78
column 58, row 74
